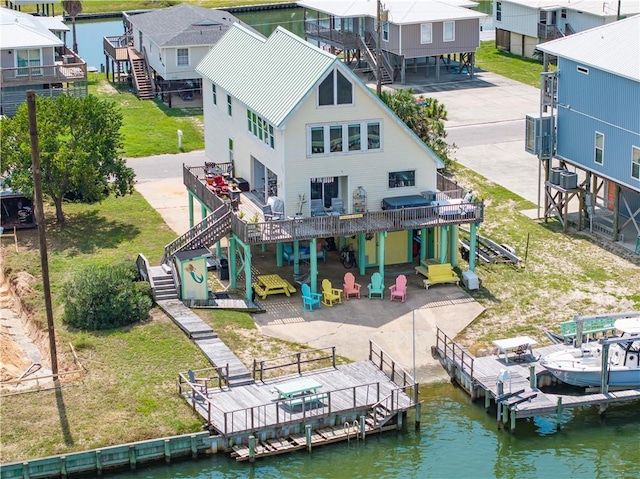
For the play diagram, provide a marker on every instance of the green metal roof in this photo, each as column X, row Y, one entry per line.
column 266, row 80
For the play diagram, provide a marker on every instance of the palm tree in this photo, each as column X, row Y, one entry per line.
column 73, row 8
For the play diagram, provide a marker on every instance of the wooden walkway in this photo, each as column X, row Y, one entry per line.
column 520, row 396
column 207, row 340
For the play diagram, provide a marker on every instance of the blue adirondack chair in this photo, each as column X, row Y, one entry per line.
column 376, row 286
column 309, row 299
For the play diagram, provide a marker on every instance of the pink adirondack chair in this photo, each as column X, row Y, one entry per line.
column 351, row 288
column 399, row 290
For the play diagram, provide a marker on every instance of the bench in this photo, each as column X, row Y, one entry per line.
column 260, row 291
column 569, row 329
column 304, row 400
column 421, row 270
column 303, row 254
column 440, row 274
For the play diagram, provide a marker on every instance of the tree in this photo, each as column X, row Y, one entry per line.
column 79, row 141
column 105, row 297
column 423, row 118
column 73, row 9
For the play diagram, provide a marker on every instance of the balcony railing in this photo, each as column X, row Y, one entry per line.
column 116, row 46
column 548, row 32
column 275, row 231
column 331, row 36
column 70, row 67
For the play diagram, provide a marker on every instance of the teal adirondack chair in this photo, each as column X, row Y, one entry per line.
column 309, row 299
column 376, row 286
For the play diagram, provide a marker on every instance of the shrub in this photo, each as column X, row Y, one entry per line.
column 104, row 297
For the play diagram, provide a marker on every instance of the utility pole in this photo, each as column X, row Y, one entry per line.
column 379, row 52
column 37, row 183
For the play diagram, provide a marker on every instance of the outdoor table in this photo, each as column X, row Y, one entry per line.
column 511, row 344
column 272, row 284
column 291, row 389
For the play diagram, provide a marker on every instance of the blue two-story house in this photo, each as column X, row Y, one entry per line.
column 594, row 98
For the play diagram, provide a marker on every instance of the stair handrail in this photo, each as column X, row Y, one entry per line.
column 135, row 77
column 386, row 65
column 149, row 70
column 364, row 47
column 143, row 268
column 222, row 213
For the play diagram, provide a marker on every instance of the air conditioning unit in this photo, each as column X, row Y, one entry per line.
column 68, row 59
column 539, row 132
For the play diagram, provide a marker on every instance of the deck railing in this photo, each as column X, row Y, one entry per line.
column 394, row 371
column 116, row 47
column 295, row 359
column 317, row 30
column 345, row 225
column 457, row 354
column 57, row 72
column 240, row 421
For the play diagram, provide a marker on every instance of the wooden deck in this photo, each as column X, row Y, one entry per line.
column 216, row 352
column 521, row 397
column 350, row 390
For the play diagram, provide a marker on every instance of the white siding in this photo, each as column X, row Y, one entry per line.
column 400, row 151
column 518, row 18
column 580, row 21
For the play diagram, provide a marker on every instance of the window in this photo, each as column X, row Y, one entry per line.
column 28, row 58
column 373, row 136
column 231, row 150
column 229, row 107
column 336, row 89
column 215, row 94
column 635, row 162
column 354, row 137
column 324, row 189
column 385, row 31
column 401, row 179
column 449, row 31
column 183, row 57
column 260, row 128
column 426, row 32
column 317, row 140
column 343, row 138
column 583, row 70
column 599, row 147
column 499, row 11
column 335, row 138
column 563, row 13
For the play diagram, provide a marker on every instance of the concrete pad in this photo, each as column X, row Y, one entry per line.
column 169, row 198
column 350, row 326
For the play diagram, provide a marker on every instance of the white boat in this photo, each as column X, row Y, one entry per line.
column 583, row 366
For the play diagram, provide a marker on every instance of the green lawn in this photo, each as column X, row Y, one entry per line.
column 524, row 70
column 150, row 127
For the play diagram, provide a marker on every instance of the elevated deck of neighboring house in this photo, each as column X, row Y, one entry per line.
column 125, row 63
column 66, row 74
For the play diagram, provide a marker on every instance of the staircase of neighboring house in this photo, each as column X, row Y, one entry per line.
column 141, row 78
column 210, row 230
column 369, row 50
column 568, row 30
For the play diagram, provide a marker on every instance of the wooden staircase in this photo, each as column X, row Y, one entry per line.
column 369, row 50
column 209, row 231
column 162, row 283
column 141, row 78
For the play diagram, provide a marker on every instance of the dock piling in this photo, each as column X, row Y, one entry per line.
column 362, row 427
column 167, row 451
column 307, row 430
column 99, row 462
column 418, row 414
column 252, row 448
column 559, row 413
column 533, row 380
column 132, row 457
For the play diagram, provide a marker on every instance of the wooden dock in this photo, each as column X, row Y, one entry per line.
column 218, row 354
column 514, row 387
column 371, row 396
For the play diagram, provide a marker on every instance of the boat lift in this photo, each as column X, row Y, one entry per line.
column 489, row 251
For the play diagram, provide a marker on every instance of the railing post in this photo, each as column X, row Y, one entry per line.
column 370, row 350
column 299, row 366
column 262, row 370
column 333, row 356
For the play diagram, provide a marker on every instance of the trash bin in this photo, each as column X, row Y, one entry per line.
column 223, row 268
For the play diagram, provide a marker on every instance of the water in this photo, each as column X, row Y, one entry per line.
column 457, row 439
column 89, row 36
column 90, row 33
